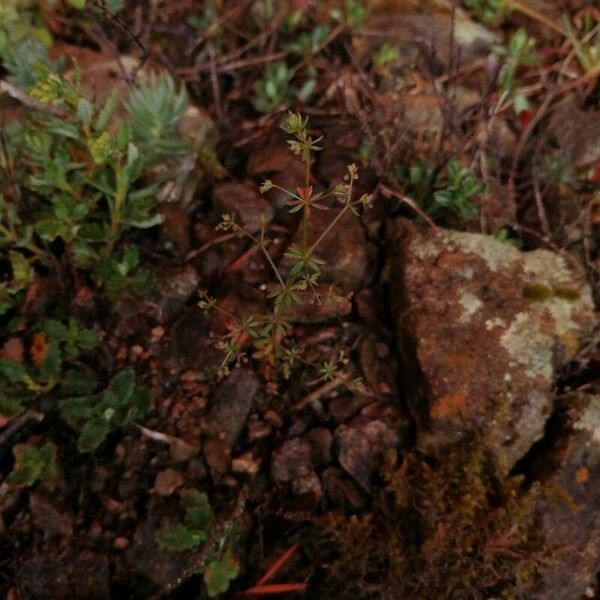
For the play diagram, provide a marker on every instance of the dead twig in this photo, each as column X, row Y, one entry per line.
column 24, row 98
column 387, row 192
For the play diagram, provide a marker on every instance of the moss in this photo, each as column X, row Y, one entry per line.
column 541, row 293
column 537, row 293
column 569, row 294
column 452, row 529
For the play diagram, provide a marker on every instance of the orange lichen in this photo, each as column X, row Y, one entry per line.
column 449, row 406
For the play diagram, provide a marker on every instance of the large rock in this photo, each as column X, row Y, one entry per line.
column 569, row 514
column 484, row 329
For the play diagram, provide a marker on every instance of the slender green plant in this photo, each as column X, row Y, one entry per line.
column 267, row 333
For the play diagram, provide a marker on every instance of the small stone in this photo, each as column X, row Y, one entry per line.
column 196, row 470
column 245, row 202
column 174, row 287
column 181, row 451
column 137, row 350
column 342, row 492
column 157, row 333
column 364, row 441
column 245, row 463
column 49, row 517
column 120, row 543
column 167, row 482
column 258, row 429
column 273, row 418
column 291, row 460
column 229, row 410
column 344, row 250
column 320, row 441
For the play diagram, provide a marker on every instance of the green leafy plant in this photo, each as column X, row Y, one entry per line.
column 199, row 517
column 273, row 91
column 33, row 464
column 221, row 567
column 385, row 55
column 81, row 173
column 451, row 190
column 19, row 21
column 520, row 52
column 97, row 415
column 351, row 12
column 267, row 333
column 54, row 347
column 486, row 11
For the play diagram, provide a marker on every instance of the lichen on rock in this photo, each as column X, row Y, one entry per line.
column 486, row 347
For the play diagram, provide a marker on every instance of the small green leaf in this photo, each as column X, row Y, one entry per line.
column 199, row 512
column 13, row 371
column 180, row 538
column 84, row 110
column 92, row 434
column 78, row 409
column 33, row 464
column 220, row 573
column 78, row 4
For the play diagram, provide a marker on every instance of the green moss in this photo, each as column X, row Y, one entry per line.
column 537, row 292
column 453, row 529
column 567, row 294
column 541, row 293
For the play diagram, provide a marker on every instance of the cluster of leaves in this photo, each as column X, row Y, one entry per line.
column 74, row 178
column 267, row 333
column 487, row 11
column 33, row 465
column 452, row 189
column 19, row 21
column 72, row 175
column 96, row 415
column 302, row 39
column 55, row 347
column 452, row 529
column 221, row 567
column 520, row 52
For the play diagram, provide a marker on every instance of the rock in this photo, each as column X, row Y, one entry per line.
column 362, row 443
column 436, row 35
column 342, row 492
column 229, row 411
column 343, row 409
column 343, row 250
column 291, row 460
column 148, row 559
column 576, row 132
column 167, row 482
column 487, row 326
column 320, row 441
column 175, row 230
column 193, row 345
column 569, row 512
column 245, row 202
column 377, row 364
column 77, row 576
column 246, row 464
column 291, row 463
column 333, row 304
column 49, row 517
column 174, row 287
